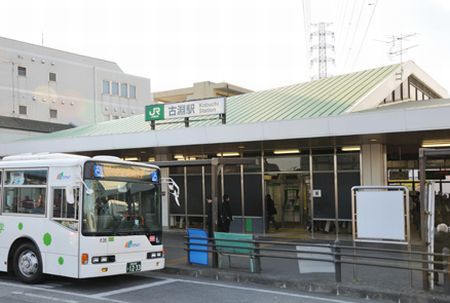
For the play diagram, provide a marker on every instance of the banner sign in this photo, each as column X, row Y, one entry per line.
column 185, row 109
column 398, row 175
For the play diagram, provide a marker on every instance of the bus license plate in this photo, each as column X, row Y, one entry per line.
column 133, row 266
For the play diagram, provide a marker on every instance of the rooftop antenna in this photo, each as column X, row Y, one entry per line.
column 42, row 38
column 397, row 49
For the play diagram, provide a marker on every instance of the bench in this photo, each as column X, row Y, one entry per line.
column 229, row 244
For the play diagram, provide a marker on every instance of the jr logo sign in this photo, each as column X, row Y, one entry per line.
column 154, row 112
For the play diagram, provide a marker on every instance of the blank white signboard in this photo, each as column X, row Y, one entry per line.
column 380, row 215
column 309, row 266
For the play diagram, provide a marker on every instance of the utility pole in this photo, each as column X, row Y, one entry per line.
column 324, row 40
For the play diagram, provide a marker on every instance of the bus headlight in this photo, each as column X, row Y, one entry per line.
column 154, row 255
column 103, row 259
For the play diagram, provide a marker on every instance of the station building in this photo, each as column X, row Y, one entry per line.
column 199, row 90
column 312, row 141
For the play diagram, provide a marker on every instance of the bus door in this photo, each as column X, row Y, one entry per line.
column 62, row 257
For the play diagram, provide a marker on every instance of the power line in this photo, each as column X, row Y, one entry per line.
column 341, row 22
column 306, row 23
column 365, row 33
column 337, row 17
column 361, row 9
column 343, row 46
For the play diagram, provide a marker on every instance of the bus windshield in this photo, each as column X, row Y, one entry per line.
column 123, row 201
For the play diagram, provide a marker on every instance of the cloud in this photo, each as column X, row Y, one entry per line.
column 445, row 4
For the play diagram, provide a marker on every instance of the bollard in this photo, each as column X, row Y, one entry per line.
column 446, row 267
column 257, row 258
column 337, row 262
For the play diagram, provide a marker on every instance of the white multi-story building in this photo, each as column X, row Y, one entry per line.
column 49, row 85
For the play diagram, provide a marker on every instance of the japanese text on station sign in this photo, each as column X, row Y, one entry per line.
column 185, row 109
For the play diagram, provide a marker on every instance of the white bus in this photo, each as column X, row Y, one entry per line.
column 78, row 217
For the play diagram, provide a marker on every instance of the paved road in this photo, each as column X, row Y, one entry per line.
column 148, row 287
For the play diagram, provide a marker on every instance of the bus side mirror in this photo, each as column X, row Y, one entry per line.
column 70, row 198
column 173, row 188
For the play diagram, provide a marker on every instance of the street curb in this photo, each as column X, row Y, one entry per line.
column 341, row 289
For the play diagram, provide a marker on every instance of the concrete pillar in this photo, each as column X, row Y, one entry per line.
column 373, row 164
column 165, row 199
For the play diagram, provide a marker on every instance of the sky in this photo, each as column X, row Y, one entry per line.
column 256, row 44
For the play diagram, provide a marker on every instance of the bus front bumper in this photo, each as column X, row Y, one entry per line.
column 119, row 268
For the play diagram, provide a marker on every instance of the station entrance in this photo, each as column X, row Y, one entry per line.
column 310, row 191
column 290, row 192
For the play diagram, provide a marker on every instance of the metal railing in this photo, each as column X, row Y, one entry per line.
column 339, row 254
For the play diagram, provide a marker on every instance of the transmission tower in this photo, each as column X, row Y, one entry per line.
column 324, row 39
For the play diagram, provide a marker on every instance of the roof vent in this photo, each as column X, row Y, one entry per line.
column 40, row 156
column 106, row 158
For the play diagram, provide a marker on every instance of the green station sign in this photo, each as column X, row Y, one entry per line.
column 185, row 109
column 154, row 112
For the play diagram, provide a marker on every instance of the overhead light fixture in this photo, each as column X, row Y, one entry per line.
column 373, row 140
column 351, row 148
column 178, row 157
column 151, row 159
column 286, row 151
column 131, row 158
column 436, row 143
column 228, row 154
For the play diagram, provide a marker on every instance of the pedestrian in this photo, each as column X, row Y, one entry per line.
column 271, row 212
column 226, row 213
column 441, row 240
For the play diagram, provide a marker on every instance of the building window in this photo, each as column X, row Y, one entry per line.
column 106, row 85
column 52, row 76
column 115, row 89
column 124, row 90
column 53, row 113
column 132, row 92
column 22, row 110
column 22, row 71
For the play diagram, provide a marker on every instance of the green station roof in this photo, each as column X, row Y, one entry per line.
column 321, row 98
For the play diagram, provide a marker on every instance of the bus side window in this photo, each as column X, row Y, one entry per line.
column 24, row 191
column 24, row 200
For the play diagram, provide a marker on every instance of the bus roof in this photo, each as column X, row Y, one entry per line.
column 59, row 159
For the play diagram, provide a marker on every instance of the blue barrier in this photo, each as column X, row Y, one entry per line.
column 200, row 255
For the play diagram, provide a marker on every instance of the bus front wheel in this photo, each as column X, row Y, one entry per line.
column 27, row 263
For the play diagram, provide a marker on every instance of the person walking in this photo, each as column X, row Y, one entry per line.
column 271, row 212
column 227, row 215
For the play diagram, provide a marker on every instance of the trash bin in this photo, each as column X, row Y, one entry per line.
column 200, row 253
